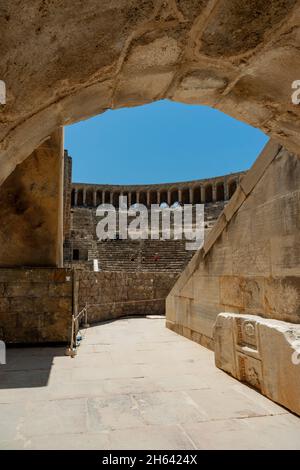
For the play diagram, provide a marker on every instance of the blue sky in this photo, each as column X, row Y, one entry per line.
column 160, row 142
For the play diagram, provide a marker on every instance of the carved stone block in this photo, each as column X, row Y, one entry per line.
column 261, row 352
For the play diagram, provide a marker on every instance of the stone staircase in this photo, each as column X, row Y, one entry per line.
column 93, row 250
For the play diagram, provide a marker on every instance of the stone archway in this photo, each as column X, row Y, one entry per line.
column 225, row 54
column 239, row 57
column 220, row 191
column 174, row 196
column 186, row 196
column 208, row 193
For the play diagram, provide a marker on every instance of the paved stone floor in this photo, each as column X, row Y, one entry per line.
column 134, row 384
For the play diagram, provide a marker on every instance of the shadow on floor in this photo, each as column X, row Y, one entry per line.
column 28, row 367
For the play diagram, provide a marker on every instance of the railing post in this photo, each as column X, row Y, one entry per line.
column 86, row 324
column 71, row 351
column 72, row 333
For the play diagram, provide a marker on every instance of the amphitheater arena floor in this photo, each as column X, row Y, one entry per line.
column 134, row 384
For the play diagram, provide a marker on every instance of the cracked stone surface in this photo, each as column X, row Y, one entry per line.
column 134, row 384
column 66, row 61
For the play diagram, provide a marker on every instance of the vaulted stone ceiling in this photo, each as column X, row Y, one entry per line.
column 63, row 61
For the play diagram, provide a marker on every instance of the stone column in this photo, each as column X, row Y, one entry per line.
column 121, row 196
column 84, row 196
column 158, row 197
column 169, row 198
column 103, row 197
column 111, row 197
column 202, row 189
column 129, row 199
column 148, row 198
column 75, row 197
column 226, row 192
column 137, row 197
column 95, row 198
column 191, row 191
column 214, row 192
column 180, row 195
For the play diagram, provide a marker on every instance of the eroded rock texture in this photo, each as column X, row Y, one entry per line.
column 65, row 61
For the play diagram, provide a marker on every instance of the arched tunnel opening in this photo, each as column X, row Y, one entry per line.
column 235, row 296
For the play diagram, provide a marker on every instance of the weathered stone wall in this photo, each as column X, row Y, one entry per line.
column 31, row 209
column 35, row 305
column 250, row 262
column 112, row 295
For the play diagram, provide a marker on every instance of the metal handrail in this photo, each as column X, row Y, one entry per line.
column 80, row 314
column 71, row 351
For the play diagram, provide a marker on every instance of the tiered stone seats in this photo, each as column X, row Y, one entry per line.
column 128, row 255
column 119, row 255
column 143, row 255
column 168, row 255
column 213, row 210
